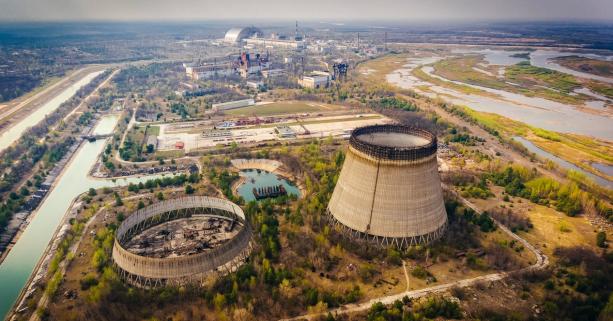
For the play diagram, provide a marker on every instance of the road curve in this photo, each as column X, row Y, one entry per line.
column 541, row 262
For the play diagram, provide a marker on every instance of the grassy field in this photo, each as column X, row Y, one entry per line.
column 417, row 72
column 285, row 107
column 553, row 229
column 533, row 81
column 375, row 70
column 577, row 149
column 582, row 64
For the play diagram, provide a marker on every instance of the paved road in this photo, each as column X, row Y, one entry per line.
column 541, row 262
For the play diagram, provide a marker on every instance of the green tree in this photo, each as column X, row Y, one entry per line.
column 601, row 239
column 189, row 189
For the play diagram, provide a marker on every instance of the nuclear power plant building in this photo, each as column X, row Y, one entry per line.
column 389, row 189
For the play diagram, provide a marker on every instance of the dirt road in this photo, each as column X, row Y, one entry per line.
column 541, row 262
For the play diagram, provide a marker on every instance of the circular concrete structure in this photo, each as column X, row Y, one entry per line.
column 186, row 265
column 389, row 190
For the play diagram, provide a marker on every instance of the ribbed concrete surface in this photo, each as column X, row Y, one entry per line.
column 395, row 199
column 142, row 267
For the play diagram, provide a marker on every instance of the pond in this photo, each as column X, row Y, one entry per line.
column 259, row 179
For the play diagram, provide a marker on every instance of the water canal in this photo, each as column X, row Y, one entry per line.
column 12, row 134
column 20, row 262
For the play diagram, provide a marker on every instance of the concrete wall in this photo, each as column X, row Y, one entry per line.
column 187, row 266
column 394, row 199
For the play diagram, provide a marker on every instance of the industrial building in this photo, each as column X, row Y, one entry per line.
column 389, row 190
column 211, row 70
column 252, row 36
column 236, row 35
column 245, row 64
column 315, row 80
column 252, row 64
column 233, row 104
column 276, row 43
column 181, row 241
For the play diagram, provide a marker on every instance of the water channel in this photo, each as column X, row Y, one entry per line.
column 564, row 164
column 534, row 111
column 257, row 179
column 544, row 59
column 20, row 262
column 8, row 137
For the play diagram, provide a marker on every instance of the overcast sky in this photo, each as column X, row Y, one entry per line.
column 409, row 10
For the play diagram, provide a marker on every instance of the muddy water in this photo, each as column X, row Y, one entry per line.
column 534, row 111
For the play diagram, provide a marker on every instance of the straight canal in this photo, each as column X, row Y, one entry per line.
column 22, row 259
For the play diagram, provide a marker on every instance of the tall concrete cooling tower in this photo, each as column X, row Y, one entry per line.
column 389, row 190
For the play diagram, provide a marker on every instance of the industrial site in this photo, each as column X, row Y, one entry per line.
column 311, row 171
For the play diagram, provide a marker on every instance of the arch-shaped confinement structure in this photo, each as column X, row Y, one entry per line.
column 236, row 35
column 389, row 189
column 147, row 271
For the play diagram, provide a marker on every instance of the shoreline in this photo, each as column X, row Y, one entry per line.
column 266, row 167
column 9, row 114
column 24, row 224
column 18, row 301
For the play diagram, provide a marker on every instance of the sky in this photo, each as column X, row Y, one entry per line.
column 342, row 10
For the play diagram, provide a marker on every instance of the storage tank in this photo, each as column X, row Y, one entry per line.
column 389, row 189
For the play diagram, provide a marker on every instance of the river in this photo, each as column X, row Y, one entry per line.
column 534, row 111
column 562, row 163
column 12, row 134
column 544, row 59
column 23, row 257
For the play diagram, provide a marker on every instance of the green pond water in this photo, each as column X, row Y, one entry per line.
column 256, row 179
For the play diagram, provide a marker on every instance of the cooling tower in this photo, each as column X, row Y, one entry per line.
column 389, row 190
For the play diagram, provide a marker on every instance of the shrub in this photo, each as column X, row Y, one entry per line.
column 439, row 307
column 88, row 281
column 601, row 239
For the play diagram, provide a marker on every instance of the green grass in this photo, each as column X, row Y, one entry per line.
column 524, row 73
column 533, row 81
column 336, row 120
column 601, row 88
column 279, row 108
column 153, row 130
column 582, row 64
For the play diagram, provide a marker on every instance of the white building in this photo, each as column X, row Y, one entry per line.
column 236, row 35
column 254, row 84
column 233, row 104
column 269, row 42
column 212, row 70
column 273, row 73
column 316, row 79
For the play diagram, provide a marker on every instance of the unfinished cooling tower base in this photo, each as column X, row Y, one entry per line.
column 151, row 283
column 384, row 241
column 196, row 265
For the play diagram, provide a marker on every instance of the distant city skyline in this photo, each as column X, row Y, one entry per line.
column 342, row 10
